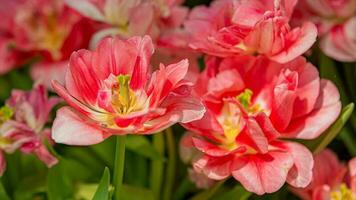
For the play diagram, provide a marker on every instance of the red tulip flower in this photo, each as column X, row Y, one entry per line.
column 111, row 91
column 331, row 179
column 22, row 124
column 253, row 105
column 249, row 27
column 336, row 22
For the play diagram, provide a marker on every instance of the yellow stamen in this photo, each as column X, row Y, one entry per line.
column 242, row 46
column 230, row 122
column 4, row 142
column 344, row 193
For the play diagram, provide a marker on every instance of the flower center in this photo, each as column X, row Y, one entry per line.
column 5, row 114
column 5, row 142
column 124, row 99
column 343, row 193
column 44, row 32
column 245, row 101
column 230, row 121
column 231, row 118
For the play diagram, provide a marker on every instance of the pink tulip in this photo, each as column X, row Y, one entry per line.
column 336, row 22
column 22, row 124
column 127, row 18
column 10, row 58
column 248, row 27
column 252, row 104
column 41, row 27
column 111, row 91
column 331, row 179
column 160, row 19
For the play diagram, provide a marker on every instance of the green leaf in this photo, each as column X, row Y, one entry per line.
column 347, row 136
column 322, row 141
column 5, row 89
column 3, row 194
column 142, row 146
column 19, row 79
column 329, row 70
column 136, row 193
column 59, row 186
column 30, row 187
column 103, row 190
column 238, row 193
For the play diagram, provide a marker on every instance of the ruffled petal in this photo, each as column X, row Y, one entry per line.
column 326, row 111
column 69, row 128
column 264, row 173
column 302, row 172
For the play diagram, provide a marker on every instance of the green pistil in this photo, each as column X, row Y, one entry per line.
column 245, row 98
column 5, row 114
column 124, row 89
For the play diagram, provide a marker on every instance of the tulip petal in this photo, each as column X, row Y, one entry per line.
column 308, row 87
column 145, row 51
column 86, row 8
column 214, row 168
column 81, row 80
column 302, row 172
column 326, row 110
column 339, row 43
column 44, row 155
column 69, row 128
column 264, row 173
column 304, row 41
column 214, row 150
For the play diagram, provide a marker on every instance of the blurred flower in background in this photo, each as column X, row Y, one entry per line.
column 161, row 19
column 231, row 27
column 22, row 124
column 45, row 28
column 336, row 22
column 331, row 179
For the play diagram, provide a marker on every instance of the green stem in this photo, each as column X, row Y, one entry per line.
column 207, row 194
column 170, row 173
column 157, row 166
column 183, row 188
column 119, row 166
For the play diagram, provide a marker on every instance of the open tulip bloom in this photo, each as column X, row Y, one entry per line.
column 234, row 27
column 253, row 90
column 332, row 179
column 111, row 91
column 243, row 132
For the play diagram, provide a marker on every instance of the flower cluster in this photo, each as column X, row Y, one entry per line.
column 233, row 73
